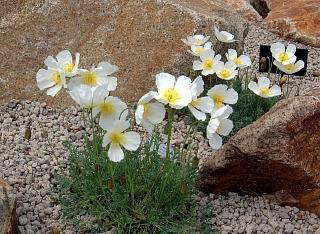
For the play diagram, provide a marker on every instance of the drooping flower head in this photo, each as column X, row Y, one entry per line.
column 290, row 68
column 208, row 63
column 219, row 125
column 196, row 40
column 149, row 113
column 197, row 50
column 52, row 78
column 199, row 106
column 241, row 61
column 262, row 88
column 176, row 93
column 223, row 36
column 226, row 71
column 117, row 138
column 282, row 54
column 221, row 95
column 65, row 61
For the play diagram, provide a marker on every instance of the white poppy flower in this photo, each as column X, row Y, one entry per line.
column 226, row 71
column 97, row 76
column 219, row 126
column 176, row 93
column 116, row 138
column 110, row 109
column 199, row 106
column 196, row 40
column 223, row 36
column 197, row 50
column 241, row 61
column 290, row 68
column 87, row 97
column 53, row 78
column 221, row 95
column 208, row 62
column 262, row 88
column 282, row 54
column 66, row 63
column 149, row 113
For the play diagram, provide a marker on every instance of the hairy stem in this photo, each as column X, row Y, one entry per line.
column 169, row 130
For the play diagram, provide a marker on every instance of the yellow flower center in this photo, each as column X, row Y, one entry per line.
column 218, row 100
column 146, row 112
column 238, row 61
column 198, row 50
column 264, row 91
column 171, row 95
column 107, row 108
column 116, row 138
column 208, row 64
column 225, row 73
column 56, row 78
column 90, row 78
column 283, row 56
column 289, row 67
column 68, row 67
column 198, row 42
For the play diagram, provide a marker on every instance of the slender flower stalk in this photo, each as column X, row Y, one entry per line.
column 169, row 130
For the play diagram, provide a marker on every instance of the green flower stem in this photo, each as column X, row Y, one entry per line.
column 169, row 130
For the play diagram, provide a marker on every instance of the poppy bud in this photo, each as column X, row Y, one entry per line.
column 283, row 80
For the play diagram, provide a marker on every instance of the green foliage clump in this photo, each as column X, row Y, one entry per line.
column 143, row 193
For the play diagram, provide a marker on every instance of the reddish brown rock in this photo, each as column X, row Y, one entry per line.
column 8, row 216
column 142, row 37
column 295, row 19
column 278, row 152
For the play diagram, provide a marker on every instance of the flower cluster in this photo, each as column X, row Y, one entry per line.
column 91, row 90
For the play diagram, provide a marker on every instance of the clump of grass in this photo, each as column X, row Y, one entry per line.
column 143, row 193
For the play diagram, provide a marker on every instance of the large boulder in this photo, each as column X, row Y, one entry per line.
column 142, row 37
column 277, row 154
column 295, row 19
column 8, row 216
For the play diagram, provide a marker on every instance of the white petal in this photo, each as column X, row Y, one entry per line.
column 291, row 50
column 148, row 126
column 115, row 153
column 51, row 62
column 197, row 87
column 226, row 113
column 131, row 141
column 205, row 104
column 108, row 68
column 157, row 113
column 263, row 82
column 147, row 97
column 230, row 65
column 106, row 140
column 245, row 61
column 253, row 86
column 118, row 125
column 164, row 81
column 183, row 83
column 139, row 114
column 64, row 57
column 231, row 96
column 197, row 114
column 275, row 90
column 299, row 65
column 54, row 90
column 218, row 90
column 99, row 94
column 290, row 60
column 197, row 65
column 228, row 36
column 207, row 54
column 212, row 127
column 231, row 55
column 277, row 48
column 215, row 141
column 44, row 79
column 226, row 126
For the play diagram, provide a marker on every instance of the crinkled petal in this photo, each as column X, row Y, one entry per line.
column 157, row 112
column 131, row 141
column 263, row 82
column 54, row 90
column 205, row 104
column 275, row 90
column 231, row 96
column 253, row 86
column 108, row 68
column 226, row 126
column 115, row 153
column 64, row 57
column 165, row 81
column 215, row 141
column 197, row 114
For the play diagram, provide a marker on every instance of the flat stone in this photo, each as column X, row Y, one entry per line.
column 8, row 216
column 142, row 37
column 295, row 19
column 278, row 152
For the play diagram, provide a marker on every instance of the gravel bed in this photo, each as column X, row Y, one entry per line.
column 29, row 164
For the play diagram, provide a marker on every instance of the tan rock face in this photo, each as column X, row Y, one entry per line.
column 8, row 216
column 278, row 152
column 142, row 37
column 296, row 19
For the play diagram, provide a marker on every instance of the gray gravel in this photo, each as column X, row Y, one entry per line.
column 29, row 165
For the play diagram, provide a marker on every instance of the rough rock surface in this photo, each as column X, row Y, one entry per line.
column 8, row 216
column 278, row 152
column 142, row 37
column 298, row 19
